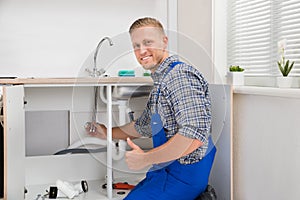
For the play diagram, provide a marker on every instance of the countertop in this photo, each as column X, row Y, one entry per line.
column 80, row 80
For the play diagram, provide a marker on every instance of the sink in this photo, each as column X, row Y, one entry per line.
column 126, row 92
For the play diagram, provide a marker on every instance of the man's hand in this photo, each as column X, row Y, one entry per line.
column 96, row 130
column 136, row 158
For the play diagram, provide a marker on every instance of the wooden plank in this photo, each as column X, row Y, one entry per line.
column 84, row 80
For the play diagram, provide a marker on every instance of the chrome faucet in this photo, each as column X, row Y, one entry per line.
column 95, row 72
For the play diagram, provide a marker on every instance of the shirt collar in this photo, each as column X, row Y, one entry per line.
column 163, row 68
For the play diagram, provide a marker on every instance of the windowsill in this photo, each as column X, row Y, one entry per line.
column 267, row 91
column 266, row 86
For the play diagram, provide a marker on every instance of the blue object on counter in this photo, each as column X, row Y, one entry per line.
column 126, row 73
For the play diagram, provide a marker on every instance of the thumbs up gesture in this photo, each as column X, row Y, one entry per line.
column 136, row 158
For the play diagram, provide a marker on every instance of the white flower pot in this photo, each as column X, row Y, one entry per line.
column 235, row 78
column 284, row 82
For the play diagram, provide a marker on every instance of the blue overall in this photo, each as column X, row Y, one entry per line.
column 173, row 180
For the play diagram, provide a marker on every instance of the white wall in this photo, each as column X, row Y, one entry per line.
column 56, row 38
column 219, row 46
column 195, row 34
column 53, row 38
column 202, row 36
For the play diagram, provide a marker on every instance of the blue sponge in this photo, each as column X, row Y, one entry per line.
column 126, row 72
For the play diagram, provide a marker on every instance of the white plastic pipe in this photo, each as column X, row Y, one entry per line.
column 66, row 189
column 122, row 106
column 119, row 152
column 102, row 96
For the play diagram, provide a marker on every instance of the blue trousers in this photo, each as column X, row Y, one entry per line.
column 175, row 181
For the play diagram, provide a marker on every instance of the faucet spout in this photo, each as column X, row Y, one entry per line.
column 95, row 72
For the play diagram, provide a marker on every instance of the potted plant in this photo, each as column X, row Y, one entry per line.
column 235, row 75
column 284, row 66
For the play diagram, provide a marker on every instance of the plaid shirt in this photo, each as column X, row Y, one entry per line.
column 184, row 106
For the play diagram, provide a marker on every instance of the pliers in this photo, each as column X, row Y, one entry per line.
column 119, row 186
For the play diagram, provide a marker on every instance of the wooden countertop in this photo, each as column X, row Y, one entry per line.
column 80, row 80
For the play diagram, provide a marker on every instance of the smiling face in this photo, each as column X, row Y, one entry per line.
column 149, row 44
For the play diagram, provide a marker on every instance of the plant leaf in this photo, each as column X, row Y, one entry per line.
column 280, row 67
column 286, row 67
column 290, row 68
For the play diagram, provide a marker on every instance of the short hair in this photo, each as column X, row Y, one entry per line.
column 147, row 21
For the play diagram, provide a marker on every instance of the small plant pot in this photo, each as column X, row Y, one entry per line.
column 284, row 82
column 235, row 78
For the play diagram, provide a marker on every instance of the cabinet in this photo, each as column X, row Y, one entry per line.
column 37, row 173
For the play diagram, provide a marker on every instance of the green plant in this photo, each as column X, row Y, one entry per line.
column 236, row 68
column 284, row 65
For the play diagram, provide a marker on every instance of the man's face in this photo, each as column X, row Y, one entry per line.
column 149, row 45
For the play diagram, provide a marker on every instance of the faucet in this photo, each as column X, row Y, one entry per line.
column 95, row 72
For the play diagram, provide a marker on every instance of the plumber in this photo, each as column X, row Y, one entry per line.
column 177, row 117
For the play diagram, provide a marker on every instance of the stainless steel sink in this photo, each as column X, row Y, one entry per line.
column 126, row 92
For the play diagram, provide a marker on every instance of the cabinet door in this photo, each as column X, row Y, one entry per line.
column 14, row 142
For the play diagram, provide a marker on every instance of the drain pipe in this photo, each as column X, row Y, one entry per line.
column 119, row 147
column 122, row 107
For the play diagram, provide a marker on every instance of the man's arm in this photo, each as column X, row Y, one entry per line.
column 122, row 132
column 173, row 149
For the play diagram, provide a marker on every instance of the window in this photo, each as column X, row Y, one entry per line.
column 255, row 27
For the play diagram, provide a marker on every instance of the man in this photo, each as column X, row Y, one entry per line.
column 177, row 117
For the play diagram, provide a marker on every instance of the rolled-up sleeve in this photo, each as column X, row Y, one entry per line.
column 188, row 95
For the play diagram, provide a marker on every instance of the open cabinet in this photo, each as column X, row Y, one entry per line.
column 72, row 104
column 54, row 114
